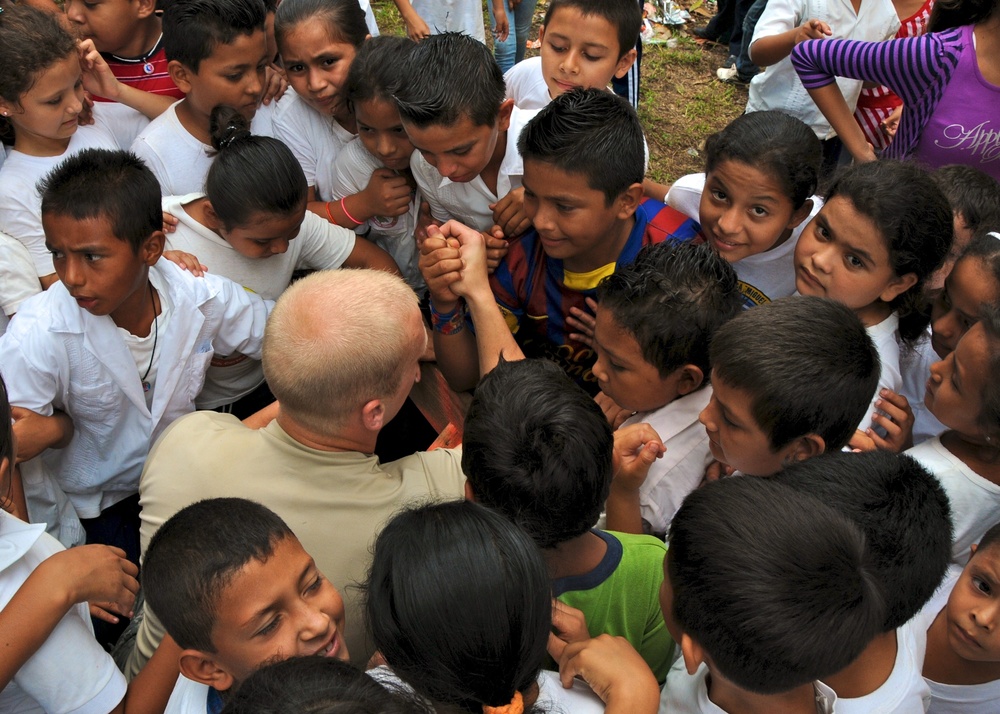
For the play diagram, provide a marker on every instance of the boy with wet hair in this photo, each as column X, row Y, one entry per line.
column 905, row 516
column 236, row 590
column 791, row 379
column 583, row 168
column 764, row 607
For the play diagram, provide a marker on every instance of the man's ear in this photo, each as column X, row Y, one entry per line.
column 145, row 8
column 800, row 214
column 624, row 64
column 690, row 378
column 503, row 118
column 200, row 667
column 628, row 201
column 898, row 286
column 180, row 74
column 692, row 653
column 152, row 247
column 211, row 216
column 373, row 415
column 804, row 447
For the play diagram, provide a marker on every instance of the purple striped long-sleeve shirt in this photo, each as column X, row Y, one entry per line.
column 918, row 69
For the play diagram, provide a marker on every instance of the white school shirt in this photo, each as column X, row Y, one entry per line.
column 319, row 245
column 885, row 335
column 915, row 368
column 905, row 691
column 394, row 234
column 779, row 86
column 70, row 672
column 686, row 693
column 526, row 84
column 56, row 355
column 465, row 16
column 763, row 277
column 20, row 202
column 679, row 471
column 315, row 141
column 187, row 697
column 177, row 158
column 18, row 279
column 975, row 501
column 469, row 202
column 953, row 698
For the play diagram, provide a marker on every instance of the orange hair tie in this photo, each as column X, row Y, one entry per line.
column 516, row 706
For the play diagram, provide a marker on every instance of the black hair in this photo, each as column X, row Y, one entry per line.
column 774, row 143
column 779, row 590
column 591, row 132
column 807, row 363
column 431, row 92
column 317, row 685
column 378, row 69
column 985, row 248
column 6, row 444
column 192, row 29
column 31, row 41
column 344, row 20
column 971, row 193
column 914, row 220
column 251, row 174
column 990, row 538
column 956, row 13
column 100, row 183
column 672, row 299
column 196, row 554
column 458, row 603
column 903, row 512
column 623, row 15
column 989, row 412
column 538, row 449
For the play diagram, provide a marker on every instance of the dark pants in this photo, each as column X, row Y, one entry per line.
column 744, row 65
column 118, row 525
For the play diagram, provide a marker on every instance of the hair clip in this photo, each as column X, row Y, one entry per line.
column 994, row 234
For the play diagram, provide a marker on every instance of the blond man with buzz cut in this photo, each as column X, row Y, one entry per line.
column 340, row 354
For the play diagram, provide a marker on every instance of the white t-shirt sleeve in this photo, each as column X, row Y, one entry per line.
column 685, row 195
column 325, row 246
column 123, row 123
column 18, row 277
column 142, row 148
column 354, row 170
column 779, row 16
column 288, row 129
column 21, row 216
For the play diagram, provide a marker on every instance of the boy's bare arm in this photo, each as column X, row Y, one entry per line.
column 831, row 102
column 149, row 691
column 416, row 28
column 774, row 48
column 454, row 345
column 36, row 433
column 636, row 448
column 100, row 80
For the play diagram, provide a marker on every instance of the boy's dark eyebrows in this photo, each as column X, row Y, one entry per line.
column 567, row 38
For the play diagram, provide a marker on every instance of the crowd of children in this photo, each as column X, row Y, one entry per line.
column 733, row 446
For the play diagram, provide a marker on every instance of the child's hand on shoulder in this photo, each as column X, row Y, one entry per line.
column 275, row 84
column 387, row 194
column 812, row 30
column 897, row 420
column 637, row 447
column 441, row 267
column 95, row 574
column 614, row 670
column 717, row 470
column 615, row 414
column 569, row 625
column 583, row 322
column 509, row 214
column 187, row 262
column 496, row 248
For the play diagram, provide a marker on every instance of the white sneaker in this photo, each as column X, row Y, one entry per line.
column 729, row 75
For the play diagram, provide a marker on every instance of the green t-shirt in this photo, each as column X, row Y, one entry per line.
column 621, row 596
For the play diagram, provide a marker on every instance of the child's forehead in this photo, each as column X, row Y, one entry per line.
column 546, row 178
column 586, row 28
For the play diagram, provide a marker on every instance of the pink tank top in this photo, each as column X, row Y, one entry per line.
column 965, row 125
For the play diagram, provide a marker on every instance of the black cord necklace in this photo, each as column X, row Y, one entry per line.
column 147, row 66
column 146, row 386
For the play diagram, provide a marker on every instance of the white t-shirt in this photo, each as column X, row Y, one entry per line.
column 905, row 691
column 552, row 697
column 779, row 87
column 70, row 672
column 465, row 16
column 314, row 139
column 680, row 470
column 394, row 235
column 686, row 693
column 188, row 697
column 763, row 277
column 320, row 245
column 915, row 368
column 18, row 279
column 177, row 158
column 20, row 201
column 469, row 202
column 954, row 698
column 975, row 501
column 885, row 335
column 526, row 84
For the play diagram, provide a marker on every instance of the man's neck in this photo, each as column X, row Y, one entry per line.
column 869, row 671
column 194, row 123
column 577, row 556
column 142, row 41
column 344, row 442
column 735, row 700
column 621, row 230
